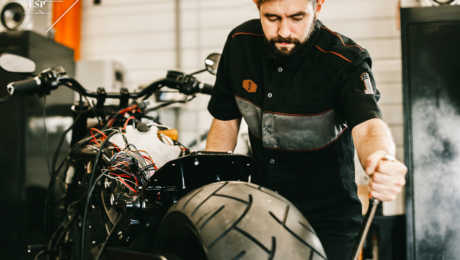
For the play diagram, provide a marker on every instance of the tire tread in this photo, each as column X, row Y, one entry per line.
column 215, row 207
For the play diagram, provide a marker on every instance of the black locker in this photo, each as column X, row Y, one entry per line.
column 23, row 170
column 431, row 87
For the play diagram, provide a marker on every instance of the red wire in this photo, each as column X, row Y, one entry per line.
column 126, row 176
column 112, row 121
column 128, row 185
column 147, row 158
column 127, row 121
column 127, row 109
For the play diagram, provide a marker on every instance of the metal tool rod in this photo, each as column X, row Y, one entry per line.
column 373, row 203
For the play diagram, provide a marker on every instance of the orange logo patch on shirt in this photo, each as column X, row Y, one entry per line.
column 249, row 85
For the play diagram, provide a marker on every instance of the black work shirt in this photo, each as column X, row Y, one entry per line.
column 300, row 114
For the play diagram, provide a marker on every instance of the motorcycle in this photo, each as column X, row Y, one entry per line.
column 121, row 205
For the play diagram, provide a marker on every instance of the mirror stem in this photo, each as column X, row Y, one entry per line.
column 197, row 72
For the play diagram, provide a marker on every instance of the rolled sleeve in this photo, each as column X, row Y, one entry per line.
column 223, row 105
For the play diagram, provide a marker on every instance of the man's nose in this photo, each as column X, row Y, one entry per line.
column 284, row 29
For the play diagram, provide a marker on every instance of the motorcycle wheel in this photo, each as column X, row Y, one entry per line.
column 237, row 220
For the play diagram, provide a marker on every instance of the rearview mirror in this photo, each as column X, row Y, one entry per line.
column 17, row 64
column 212, row 63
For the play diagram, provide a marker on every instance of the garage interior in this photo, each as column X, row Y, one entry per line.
column 119, row 44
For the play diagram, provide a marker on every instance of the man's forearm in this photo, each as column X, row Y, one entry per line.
column 373, row 142
column 372, row 137
column 223, row 135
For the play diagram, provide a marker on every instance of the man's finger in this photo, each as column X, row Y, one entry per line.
column 383, row 197
column 384, row 189
column 384, row 179
column 373, row 160
column 391, row 168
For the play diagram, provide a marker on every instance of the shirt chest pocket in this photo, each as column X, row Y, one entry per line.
column 308, row 107
column 309, row 126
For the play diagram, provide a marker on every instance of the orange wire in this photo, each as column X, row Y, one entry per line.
column 127, row 121
column 147, row 155
column 97, row 130
column 112, row 121
column 94, row 137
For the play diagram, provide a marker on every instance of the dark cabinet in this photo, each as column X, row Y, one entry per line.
column 431, row 87
column 23, row 170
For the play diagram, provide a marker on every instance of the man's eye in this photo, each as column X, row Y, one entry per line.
column 273, row 19
column 297, row 17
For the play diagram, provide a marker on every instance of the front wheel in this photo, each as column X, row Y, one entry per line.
column 237, row 220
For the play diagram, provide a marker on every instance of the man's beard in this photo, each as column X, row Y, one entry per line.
column 284, row 53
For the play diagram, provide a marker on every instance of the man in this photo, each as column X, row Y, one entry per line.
column 309, row 97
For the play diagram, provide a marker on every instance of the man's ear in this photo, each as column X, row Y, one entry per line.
column 257, row 3
column 319, row 6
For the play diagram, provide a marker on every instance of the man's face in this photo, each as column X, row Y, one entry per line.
column 287, row 25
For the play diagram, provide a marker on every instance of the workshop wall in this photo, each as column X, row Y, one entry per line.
column 141, row 35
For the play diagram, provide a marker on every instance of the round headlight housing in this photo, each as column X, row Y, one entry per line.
column 13, row 16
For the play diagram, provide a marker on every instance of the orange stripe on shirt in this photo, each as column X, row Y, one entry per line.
column 341, row 39
column 332, row 52
column 243, row 33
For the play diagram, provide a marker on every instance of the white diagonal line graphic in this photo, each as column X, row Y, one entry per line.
column 61, row 16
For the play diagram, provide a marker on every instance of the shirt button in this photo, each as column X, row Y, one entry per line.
column 280, row 69
column 272, row 161
column 270, row 95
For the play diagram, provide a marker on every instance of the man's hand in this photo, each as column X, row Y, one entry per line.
column 386, row 177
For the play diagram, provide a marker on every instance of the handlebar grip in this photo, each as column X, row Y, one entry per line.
column 24, row 86
column 206, row 89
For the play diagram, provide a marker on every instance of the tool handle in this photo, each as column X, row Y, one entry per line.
column 373, row 203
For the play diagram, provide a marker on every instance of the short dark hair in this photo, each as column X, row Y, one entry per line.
column 260, row 2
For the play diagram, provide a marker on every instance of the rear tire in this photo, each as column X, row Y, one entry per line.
column 237, row 220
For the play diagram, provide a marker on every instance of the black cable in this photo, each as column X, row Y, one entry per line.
column 65, row 228
column 7, row 98
column 107, row 240
column 41, row 252
column 46, row 136
column 63, row 136
column 61, row 198
column 55, row 234
column 75, row 147
column 90, row 184
column 167, row 103
column 53, row 164
column 94, row 111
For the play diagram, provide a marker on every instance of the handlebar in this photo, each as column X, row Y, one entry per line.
column 24, row 86
column 51, row 79
column 206, row 88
